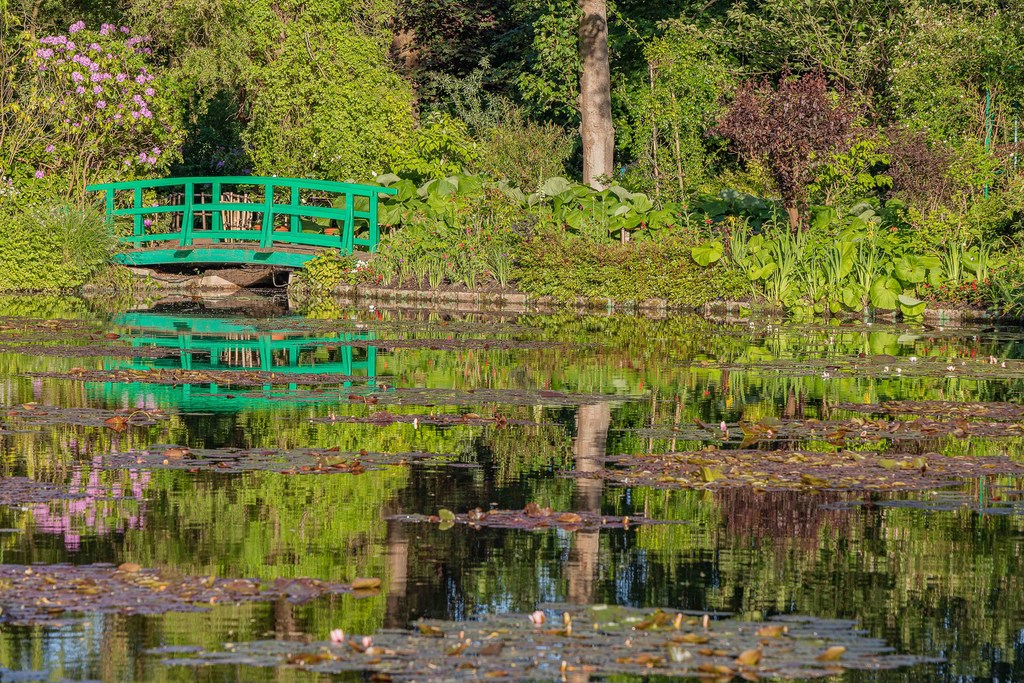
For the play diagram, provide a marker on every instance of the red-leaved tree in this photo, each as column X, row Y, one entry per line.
column 793, row 127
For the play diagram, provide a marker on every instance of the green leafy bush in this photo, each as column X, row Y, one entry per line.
column 327, row 271
column 523, row 152
column 568, row 267
column 457, row 230
column 53, row 248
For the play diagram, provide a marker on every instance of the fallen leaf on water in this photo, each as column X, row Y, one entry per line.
column 715, row 669
column 708, row 475
column 832, row 654
column 749, row 657
column 118, row 423
column 308, row 658
column 771, row 631
column 362, row 584
column 128, row 567
column 430, row 631
column 493, row 649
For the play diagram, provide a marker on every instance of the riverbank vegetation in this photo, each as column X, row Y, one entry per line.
column 817, row 158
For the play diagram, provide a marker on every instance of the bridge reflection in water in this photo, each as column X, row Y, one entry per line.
column 212, row 345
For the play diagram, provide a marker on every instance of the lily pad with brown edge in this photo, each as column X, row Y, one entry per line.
column 597, row 640
column 532, row 518
column 54, row 594
column 792, row 469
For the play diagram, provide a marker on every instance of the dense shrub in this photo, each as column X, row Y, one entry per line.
column 567, row 267
column 466, row 236
column 794, row 127
column 47, row 248
column 523, row 152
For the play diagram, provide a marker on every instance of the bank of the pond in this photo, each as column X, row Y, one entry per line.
column 516, row 300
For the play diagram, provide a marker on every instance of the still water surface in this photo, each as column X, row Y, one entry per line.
column 939, row 574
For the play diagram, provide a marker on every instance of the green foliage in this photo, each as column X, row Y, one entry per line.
column 849, row 42
column 522, row 151
column 46, row 248
column 669, row 118
column 440, row 147
column 549, row 81
column 942, row 67
column 315, row 90
column 457, row 230
column 864, row 259
column 328, row 271
column 851, row 175
column 568, row 267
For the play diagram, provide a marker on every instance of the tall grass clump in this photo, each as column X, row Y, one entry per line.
column 53, row 248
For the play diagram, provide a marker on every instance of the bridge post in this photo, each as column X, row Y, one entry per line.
column 187, row 219
column 137, row 204
column 348, row 233
column 267, row 227
column 217, row 218
column 374, row 229
column 110, row 204
column 296, row 222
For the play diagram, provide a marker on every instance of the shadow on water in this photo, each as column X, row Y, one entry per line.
column 496, row 407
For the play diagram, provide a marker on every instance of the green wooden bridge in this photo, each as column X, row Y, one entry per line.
column 240, row 219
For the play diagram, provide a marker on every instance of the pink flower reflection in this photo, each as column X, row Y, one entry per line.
column 111, row 503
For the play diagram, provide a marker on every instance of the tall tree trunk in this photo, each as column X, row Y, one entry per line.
column 596, row 94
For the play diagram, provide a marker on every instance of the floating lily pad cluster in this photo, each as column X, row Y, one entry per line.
column 890, row 367
column 55, row 594
column 532, row 517
column 839, row 432
column 967, row 410
column 25, row 491
column 784, row 469
column 117, row 420
column 176, row 376
column 290, row 461
column 580, row 641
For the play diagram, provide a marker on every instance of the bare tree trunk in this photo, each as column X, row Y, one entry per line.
column 794, row 218
column 596, row 94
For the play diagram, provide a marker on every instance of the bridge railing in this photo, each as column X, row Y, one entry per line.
column 352, row 206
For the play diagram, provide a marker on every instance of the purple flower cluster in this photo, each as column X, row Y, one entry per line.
column 108, row 93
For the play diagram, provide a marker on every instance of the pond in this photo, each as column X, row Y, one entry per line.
column 478, row 467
